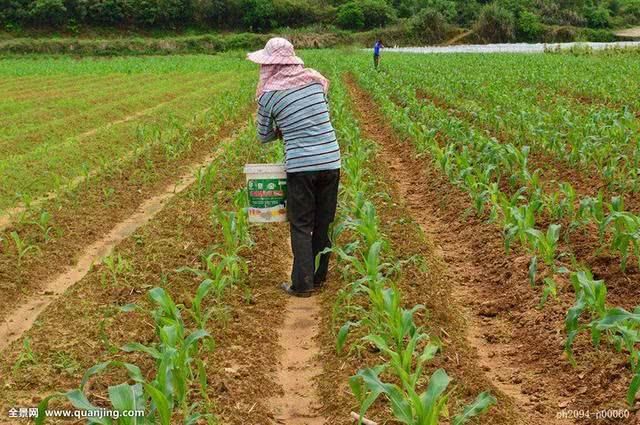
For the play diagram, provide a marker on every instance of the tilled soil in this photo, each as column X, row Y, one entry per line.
column 21, row 318
column 85, row 215
column 518, row 344
column 583, row 242
column 84, row 326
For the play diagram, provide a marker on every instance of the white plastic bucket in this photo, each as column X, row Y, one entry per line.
column 267, row 190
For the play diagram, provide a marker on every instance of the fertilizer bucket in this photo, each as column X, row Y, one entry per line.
column 267, row 190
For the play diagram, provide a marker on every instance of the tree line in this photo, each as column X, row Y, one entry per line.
column 494, row 20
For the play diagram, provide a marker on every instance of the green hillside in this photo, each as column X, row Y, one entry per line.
column 429, row 21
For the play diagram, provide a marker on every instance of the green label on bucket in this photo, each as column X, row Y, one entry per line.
column 267, row 193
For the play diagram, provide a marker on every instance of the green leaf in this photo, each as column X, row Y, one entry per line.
column 633, row 389
column 202, row 377
column 160, row 402
column 372, row 384
column 195, row 336
column 479, row 406
column 136, row 346
column 614, row 316
column 134, row 371
column 80, row 401
column 43, row 406
column 533, row 270
column 123, row 398
column 342, row 336
column 437, row 384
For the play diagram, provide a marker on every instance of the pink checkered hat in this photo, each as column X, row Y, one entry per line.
column 277, row 51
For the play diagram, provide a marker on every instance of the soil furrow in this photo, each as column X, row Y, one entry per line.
column 480, row 274
column 299, row 404
column 7, row 216
column 18, row 321
column 85, row 326
column 83, row 217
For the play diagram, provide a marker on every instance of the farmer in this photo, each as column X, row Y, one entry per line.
column 376, row 53
column 292, row 105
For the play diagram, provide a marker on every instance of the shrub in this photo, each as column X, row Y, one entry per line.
column 529, row 27
column 48, row 12
column 447, row 8
column 631, row 11
column 429, row 26
column 589, row 34
column 294, row 13
column 158, row 13
column 259, row 15
column 467, row 13
column 560, row 34
column 350, row 16
column 106, row 12
column 377, row 13
column 211, row 12
column 598, row 17
column 495, row 24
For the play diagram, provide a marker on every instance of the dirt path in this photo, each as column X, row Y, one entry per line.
column 480, row 274
column 300, row 403
column 629, row 32
column 458, row 38
column 18, row 321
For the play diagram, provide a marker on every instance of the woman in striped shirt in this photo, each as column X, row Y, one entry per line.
column 292, row 105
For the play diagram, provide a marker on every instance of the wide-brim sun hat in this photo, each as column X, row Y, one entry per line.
column 277, row 51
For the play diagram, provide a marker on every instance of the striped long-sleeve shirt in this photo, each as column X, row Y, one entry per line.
column 302, row 115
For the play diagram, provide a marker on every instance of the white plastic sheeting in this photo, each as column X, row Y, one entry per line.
column 512, row 47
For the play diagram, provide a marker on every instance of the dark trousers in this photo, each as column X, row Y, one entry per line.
column 311, row 207
column 376, row 61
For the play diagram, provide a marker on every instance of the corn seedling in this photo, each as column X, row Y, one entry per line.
column 43, row 224
column 116, row 265
column 108, row 193
column 408, row 405
column 22, row 248
column 26, row 356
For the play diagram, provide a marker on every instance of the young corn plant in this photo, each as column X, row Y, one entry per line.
column 625, row 229
column 560, row 204
column 235, row 231
column 521, row 220
column 593, row 210
column 22, row 248
column 623, row 328
column 44, row 224
column 408, row 405
column 174, row 352
column 116, row 265
column 159, row 398
column 545, row 246
column 591, row 297
column 215, row 281
column 27, row 356
column 206, row 178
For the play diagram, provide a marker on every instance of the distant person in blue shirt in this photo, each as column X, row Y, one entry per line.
column 376, row 52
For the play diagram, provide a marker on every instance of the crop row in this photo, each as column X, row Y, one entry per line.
column 175, row 389
column 48, row 168
column 533, row 112
column 120, row 95
column 41, row 231
column 372, row 301
column 498, row 176
column 480, row 165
